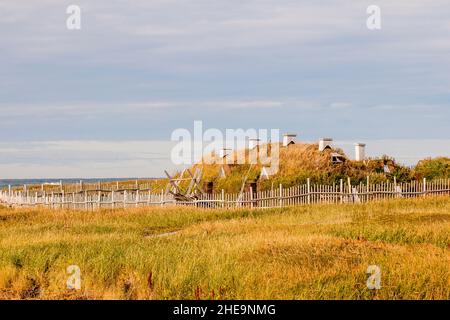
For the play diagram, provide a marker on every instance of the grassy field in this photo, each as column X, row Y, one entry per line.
column 316, row 252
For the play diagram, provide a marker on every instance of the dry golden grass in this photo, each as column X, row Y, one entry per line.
column 309, row 252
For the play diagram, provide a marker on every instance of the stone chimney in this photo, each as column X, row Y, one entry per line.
column 289, row 138
column 253, row 143
column 360, row 151
column 325, row 143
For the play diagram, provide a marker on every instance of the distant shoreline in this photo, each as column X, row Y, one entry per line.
column 21, row 182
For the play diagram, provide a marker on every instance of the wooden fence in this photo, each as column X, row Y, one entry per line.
column 92, row 197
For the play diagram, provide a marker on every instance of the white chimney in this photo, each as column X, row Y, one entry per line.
column 360, row 151
column 253, row 143
column 325, row 143
column 224, row 152
column 289, row 138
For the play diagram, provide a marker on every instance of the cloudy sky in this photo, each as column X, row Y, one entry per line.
column 103, row 101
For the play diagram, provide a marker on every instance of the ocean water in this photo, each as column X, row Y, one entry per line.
column 21, row 182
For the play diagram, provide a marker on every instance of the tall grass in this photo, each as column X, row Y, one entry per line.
column 309, row 252
column 299, row 162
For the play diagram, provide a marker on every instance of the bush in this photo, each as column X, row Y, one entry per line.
column 437, row 168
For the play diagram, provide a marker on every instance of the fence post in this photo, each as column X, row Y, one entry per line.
column 62, row 199
column 251, row 198
column 424, row 186
column 112, row 198
column 125, row 198
column 350, row 189
column 162, row 198
column 99, row 199
column 368, row 189
column 223, row 198
column 9, row 193
column 341, row 190
column 137, row 197
column 280, row 202
column 85, row 200
column 395, row 187
column 308, row 183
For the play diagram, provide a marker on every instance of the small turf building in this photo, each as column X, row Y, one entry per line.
column 322, row 162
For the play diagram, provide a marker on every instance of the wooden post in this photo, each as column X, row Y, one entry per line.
column 112, row 199
column 424, row 186
column 341, row 190
column 280, row 202
column 251, row 198
column 85, row 200
column 124, row 198
column 62, row 198
column 9, row 193
column 350, row 189
column 308, row 183
column 137, row 197
column 223, row 198
column 395, row 187
column 368, row 189
column 162, row 198
column 99, row 199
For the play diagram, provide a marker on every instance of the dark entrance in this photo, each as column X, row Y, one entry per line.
column 209, row 187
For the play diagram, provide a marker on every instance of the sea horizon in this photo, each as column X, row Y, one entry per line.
column 34, row 181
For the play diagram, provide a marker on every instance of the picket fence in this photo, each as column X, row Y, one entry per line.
column 94, row 196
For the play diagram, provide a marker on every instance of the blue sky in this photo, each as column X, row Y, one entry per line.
column 137, row 70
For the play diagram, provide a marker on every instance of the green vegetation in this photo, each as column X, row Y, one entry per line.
column 438, row 168
column 307, row 252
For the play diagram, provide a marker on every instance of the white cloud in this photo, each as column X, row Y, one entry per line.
column 199, row 26
column 152, row 61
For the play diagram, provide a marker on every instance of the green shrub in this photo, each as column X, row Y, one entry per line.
column 437, row 168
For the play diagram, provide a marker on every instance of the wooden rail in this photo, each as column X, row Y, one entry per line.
column 96, row 196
